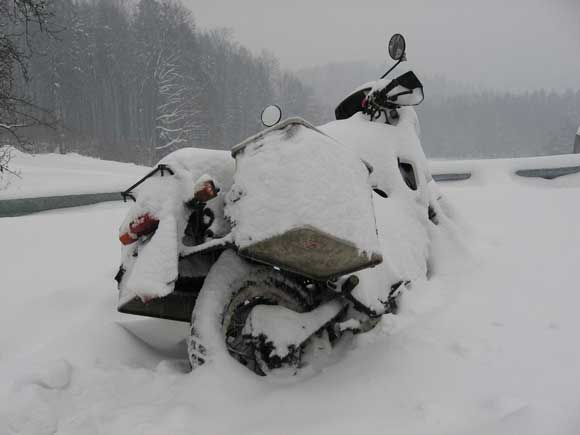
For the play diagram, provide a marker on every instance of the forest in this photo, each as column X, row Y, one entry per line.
column 135, row 81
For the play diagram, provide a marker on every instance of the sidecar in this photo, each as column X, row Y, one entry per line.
column 291, row 198
column 155, row 278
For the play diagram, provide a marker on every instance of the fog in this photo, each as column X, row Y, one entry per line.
column 510, row 46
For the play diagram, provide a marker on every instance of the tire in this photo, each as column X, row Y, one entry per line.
column 232, row 288
column 263, row 287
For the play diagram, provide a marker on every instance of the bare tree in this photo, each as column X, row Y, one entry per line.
column 20, row 22
column 177, row 112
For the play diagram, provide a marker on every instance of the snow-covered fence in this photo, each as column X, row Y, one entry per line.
column 547, row 167
column 548, row 173
column 25, row 206
column 452, row 176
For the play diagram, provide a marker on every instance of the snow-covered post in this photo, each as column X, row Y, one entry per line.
column 577, row 142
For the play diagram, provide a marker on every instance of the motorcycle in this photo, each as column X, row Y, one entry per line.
column 303, row 237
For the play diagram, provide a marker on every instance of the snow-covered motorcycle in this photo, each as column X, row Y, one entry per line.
column 307, row 236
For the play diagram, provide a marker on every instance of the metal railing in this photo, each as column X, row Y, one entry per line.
column 26, row 206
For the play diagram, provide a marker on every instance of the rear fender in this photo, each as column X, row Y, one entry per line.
column 151, row 264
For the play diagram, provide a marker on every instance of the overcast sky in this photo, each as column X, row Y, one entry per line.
column 506, row 44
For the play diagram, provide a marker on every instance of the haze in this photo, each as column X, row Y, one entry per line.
column 510, row 46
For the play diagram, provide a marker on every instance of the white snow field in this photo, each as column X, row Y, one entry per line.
column 69, row 174
column 489, row 345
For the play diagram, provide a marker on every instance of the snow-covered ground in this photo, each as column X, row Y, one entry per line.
column 55, row 174
column 488, row 346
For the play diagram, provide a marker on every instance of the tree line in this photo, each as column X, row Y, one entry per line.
column 487, row 125
column 134, row 81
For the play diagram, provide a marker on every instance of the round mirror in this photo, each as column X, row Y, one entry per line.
column 397, row 46
column 271, row 115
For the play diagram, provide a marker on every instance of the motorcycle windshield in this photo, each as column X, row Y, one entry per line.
column 351, row 104
column 405, row 90
column 402, row 96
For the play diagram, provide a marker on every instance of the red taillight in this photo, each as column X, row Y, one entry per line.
column 127, row 238
column 141, row 226
column 144, row 225
column 206, row 191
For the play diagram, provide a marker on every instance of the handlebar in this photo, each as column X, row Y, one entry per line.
column 383, row 98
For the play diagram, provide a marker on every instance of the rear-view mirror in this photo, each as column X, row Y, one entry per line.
column 397, row 47
column 271, row 115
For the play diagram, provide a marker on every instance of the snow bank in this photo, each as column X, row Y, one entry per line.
column 57, row 174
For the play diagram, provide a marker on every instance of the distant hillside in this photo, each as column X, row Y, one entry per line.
column 459, row 121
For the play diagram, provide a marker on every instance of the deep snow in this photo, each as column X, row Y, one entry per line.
column 487, row 346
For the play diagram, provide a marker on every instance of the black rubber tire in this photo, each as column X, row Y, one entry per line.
column 231, row 282
column 269, row 287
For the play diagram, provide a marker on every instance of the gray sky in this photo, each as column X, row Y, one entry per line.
column 509, row 44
